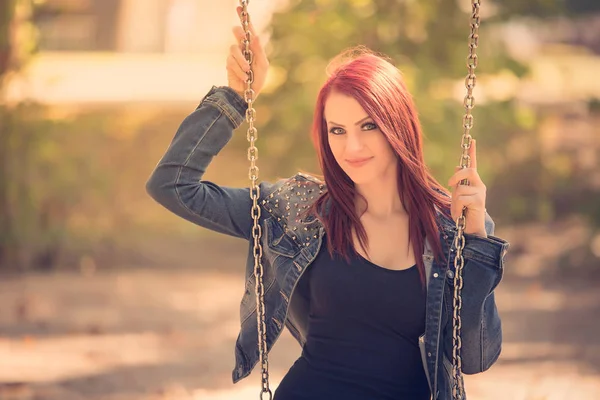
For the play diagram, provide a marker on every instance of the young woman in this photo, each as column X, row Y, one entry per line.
column 355, row 266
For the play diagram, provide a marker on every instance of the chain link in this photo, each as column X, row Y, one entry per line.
column 458, row 387
column 458, row 392
column 252, row 136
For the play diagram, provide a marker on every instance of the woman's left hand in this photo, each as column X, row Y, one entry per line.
column 471, row 196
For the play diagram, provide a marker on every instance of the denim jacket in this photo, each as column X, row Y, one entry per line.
column 291, row 243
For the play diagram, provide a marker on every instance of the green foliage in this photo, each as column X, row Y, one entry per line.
column 68, row 181
column 534, row 8
column 74, row 184
column 47, row 172
column 427, row 41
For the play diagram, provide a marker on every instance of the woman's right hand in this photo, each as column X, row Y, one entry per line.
column 237, row 66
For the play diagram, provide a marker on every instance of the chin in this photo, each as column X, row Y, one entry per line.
column 361, row 177
column 368, row 174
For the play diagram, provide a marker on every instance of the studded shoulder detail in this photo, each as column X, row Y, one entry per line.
column 288, row 203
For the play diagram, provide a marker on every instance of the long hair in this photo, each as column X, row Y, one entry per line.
column 378, row 87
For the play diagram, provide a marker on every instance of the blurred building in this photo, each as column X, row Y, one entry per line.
column 135, row 26
column 113, row 51
column 172, row 51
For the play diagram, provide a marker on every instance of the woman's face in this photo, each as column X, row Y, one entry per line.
column 359, row 147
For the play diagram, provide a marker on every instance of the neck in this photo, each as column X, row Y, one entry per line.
column 382, row 197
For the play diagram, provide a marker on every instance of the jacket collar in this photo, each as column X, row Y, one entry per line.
column 290, row 198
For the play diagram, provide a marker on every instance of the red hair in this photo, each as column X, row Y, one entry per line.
column 378, row 87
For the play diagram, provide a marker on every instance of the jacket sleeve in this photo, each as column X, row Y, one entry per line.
column 481, row 330
column 176, row 182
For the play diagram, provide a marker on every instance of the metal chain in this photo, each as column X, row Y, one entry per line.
column 252, row 136
column 458, row 392
column 458, row 389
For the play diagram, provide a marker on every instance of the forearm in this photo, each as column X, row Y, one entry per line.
column 176, row 181
column 481, row 328
column 481, row 336
column 200, row 137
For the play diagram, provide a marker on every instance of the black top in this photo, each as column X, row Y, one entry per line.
column 363, row 330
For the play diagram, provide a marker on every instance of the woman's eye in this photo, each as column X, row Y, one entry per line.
column 373, row 126
column 340, row 131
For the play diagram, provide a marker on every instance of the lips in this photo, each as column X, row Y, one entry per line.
column 357, row 162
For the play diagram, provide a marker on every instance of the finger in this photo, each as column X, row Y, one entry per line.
column 239, row 58
column 256, row 47
column 465, row 173
column 457, row 207
column 460, row 190
column 250, row 24
column 234, row 67
column 255, row 41
column 470, row 201
column 473, row 154
column 238, row 32
column 453, row 177
column 459, row 175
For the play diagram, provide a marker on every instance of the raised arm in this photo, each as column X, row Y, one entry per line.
column 176, row 182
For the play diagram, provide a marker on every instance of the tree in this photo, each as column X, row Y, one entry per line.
column 428, row 42
column 25, row 233
column 7, row 11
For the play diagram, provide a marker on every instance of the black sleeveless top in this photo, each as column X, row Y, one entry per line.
column 363, row 330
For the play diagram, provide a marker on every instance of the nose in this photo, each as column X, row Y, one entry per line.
column 354, row 143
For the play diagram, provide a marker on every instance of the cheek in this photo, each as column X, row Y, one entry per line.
column 384, row 148
column 337, row 148
column 384, row 153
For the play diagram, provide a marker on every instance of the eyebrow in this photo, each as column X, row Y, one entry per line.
column 335, row 123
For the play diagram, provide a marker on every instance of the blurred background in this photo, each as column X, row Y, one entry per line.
column 106, row 295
